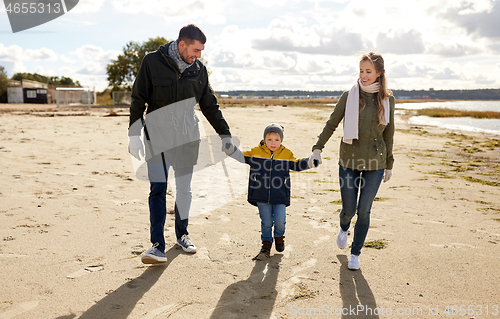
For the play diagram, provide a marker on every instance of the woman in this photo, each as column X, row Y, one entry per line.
column 365, row 157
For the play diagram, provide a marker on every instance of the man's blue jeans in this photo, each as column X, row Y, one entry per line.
column 352, row 183
column 272, row 215
column 157, row 201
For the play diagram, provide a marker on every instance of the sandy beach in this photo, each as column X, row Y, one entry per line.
column 74, row 222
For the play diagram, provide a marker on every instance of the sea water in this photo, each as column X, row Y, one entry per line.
column 469, row 124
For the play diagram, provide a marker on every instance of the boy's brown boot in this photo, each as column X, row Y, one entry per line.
column 264, row 251
column 280, row 243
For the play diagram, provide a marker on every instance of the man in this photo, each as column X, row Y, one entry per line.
column 170, row 82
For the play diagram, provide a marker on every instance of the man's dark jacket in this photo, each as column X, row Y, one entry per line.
column 160, row 83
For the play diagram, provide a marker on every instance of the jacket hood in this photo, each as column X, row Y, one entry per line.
column 164, row 48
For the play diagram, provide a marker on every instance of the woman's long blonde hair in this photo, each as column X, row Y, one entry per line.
column 383, row 93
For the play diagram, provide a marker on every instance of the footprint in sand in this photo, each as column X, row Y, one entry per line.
column 327, row 226
column 12, row 255
column 202, row 253
column 225, row 240
column 19, row 309
column 85, row 271
column 165, row 311
column 286, row 253
column 453, row 245
column 288, row 286
column 321, row 239
column 381, row 231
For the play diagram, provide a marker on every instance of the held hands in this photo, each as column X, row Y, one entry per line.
column 135, row 147
column 228, row 146
column 315, row 158
column 387, row 175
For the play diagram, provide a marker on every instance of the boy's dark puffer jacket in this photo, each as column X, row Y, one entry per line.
column 269, row 179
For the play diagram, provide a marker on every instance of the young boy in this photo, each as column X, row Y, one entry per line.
column 269, row 184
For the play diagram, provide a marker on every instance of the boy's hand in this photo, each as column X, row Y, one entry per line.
column 315, row 159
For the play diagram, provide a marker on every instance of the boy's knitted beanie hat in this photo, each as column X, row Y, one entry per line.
column 273, row 127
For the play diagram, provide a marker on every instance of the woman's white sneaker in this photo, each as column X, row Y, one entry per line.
column 353, row 263
column 342, row 239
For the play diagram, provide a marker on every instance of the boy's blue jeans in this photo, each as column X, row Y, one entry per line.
column 352, row 182
column 272, row 215
column 157, row 201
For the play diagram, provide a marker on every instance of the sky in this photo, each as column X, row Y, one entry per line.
column 275, row 44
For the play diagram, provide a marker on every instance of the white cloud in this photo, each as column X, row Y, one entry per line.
column 66, row 59
column 10, row 53
column 174, row 11
column 409, row 42
column 292, row 36
column 88, row 6
column 479, row 18
column 19, row 67
column 91, row 68
column 453, row 50
column 77, row 22
column 42, row 54
column 251, row 60
column 94, row 53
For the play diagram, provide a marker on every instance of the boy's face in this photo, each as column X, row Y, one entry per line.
column 273, row 141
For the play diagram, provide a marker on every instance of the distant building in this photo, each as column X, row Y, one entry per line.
column 27, row 91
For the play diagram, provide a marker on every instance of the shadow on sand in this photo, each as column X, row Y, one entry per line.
column 355, row 292
column 253, row 297
column 120, row 303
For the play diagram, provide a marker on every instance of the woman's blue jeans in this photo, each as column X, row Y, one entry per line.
column 352, row 183
column 272, row 215
column 157, row 201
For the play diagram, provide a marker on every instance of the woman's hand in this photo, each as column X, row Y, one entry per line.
column 387, row 175
column 315, row 158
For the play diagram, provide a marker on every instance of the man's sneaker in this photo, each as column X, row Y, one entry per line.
column 342, row 239
column 353, row 263
column 154, row 256
column 186, row 244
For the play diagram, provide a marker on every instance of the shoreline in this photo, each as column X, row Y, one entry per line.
column 103, row 110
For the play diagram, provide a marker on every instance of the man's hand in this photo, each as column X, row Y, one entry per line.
column 387, row 175
column 228, row 146
column 315, row 158
column 135, row 147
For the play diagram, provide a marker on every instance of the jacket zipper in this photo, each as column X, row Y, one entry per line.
column 270, row 178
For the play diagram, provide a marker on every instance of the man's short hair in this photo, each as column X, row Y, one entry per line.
column 190, row 33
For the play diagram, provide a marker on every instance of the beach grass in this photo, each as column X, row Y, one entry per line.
column 278, row 102
column 303, row 292
column 375, row 244
column 444, row 112
column 481, row 181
